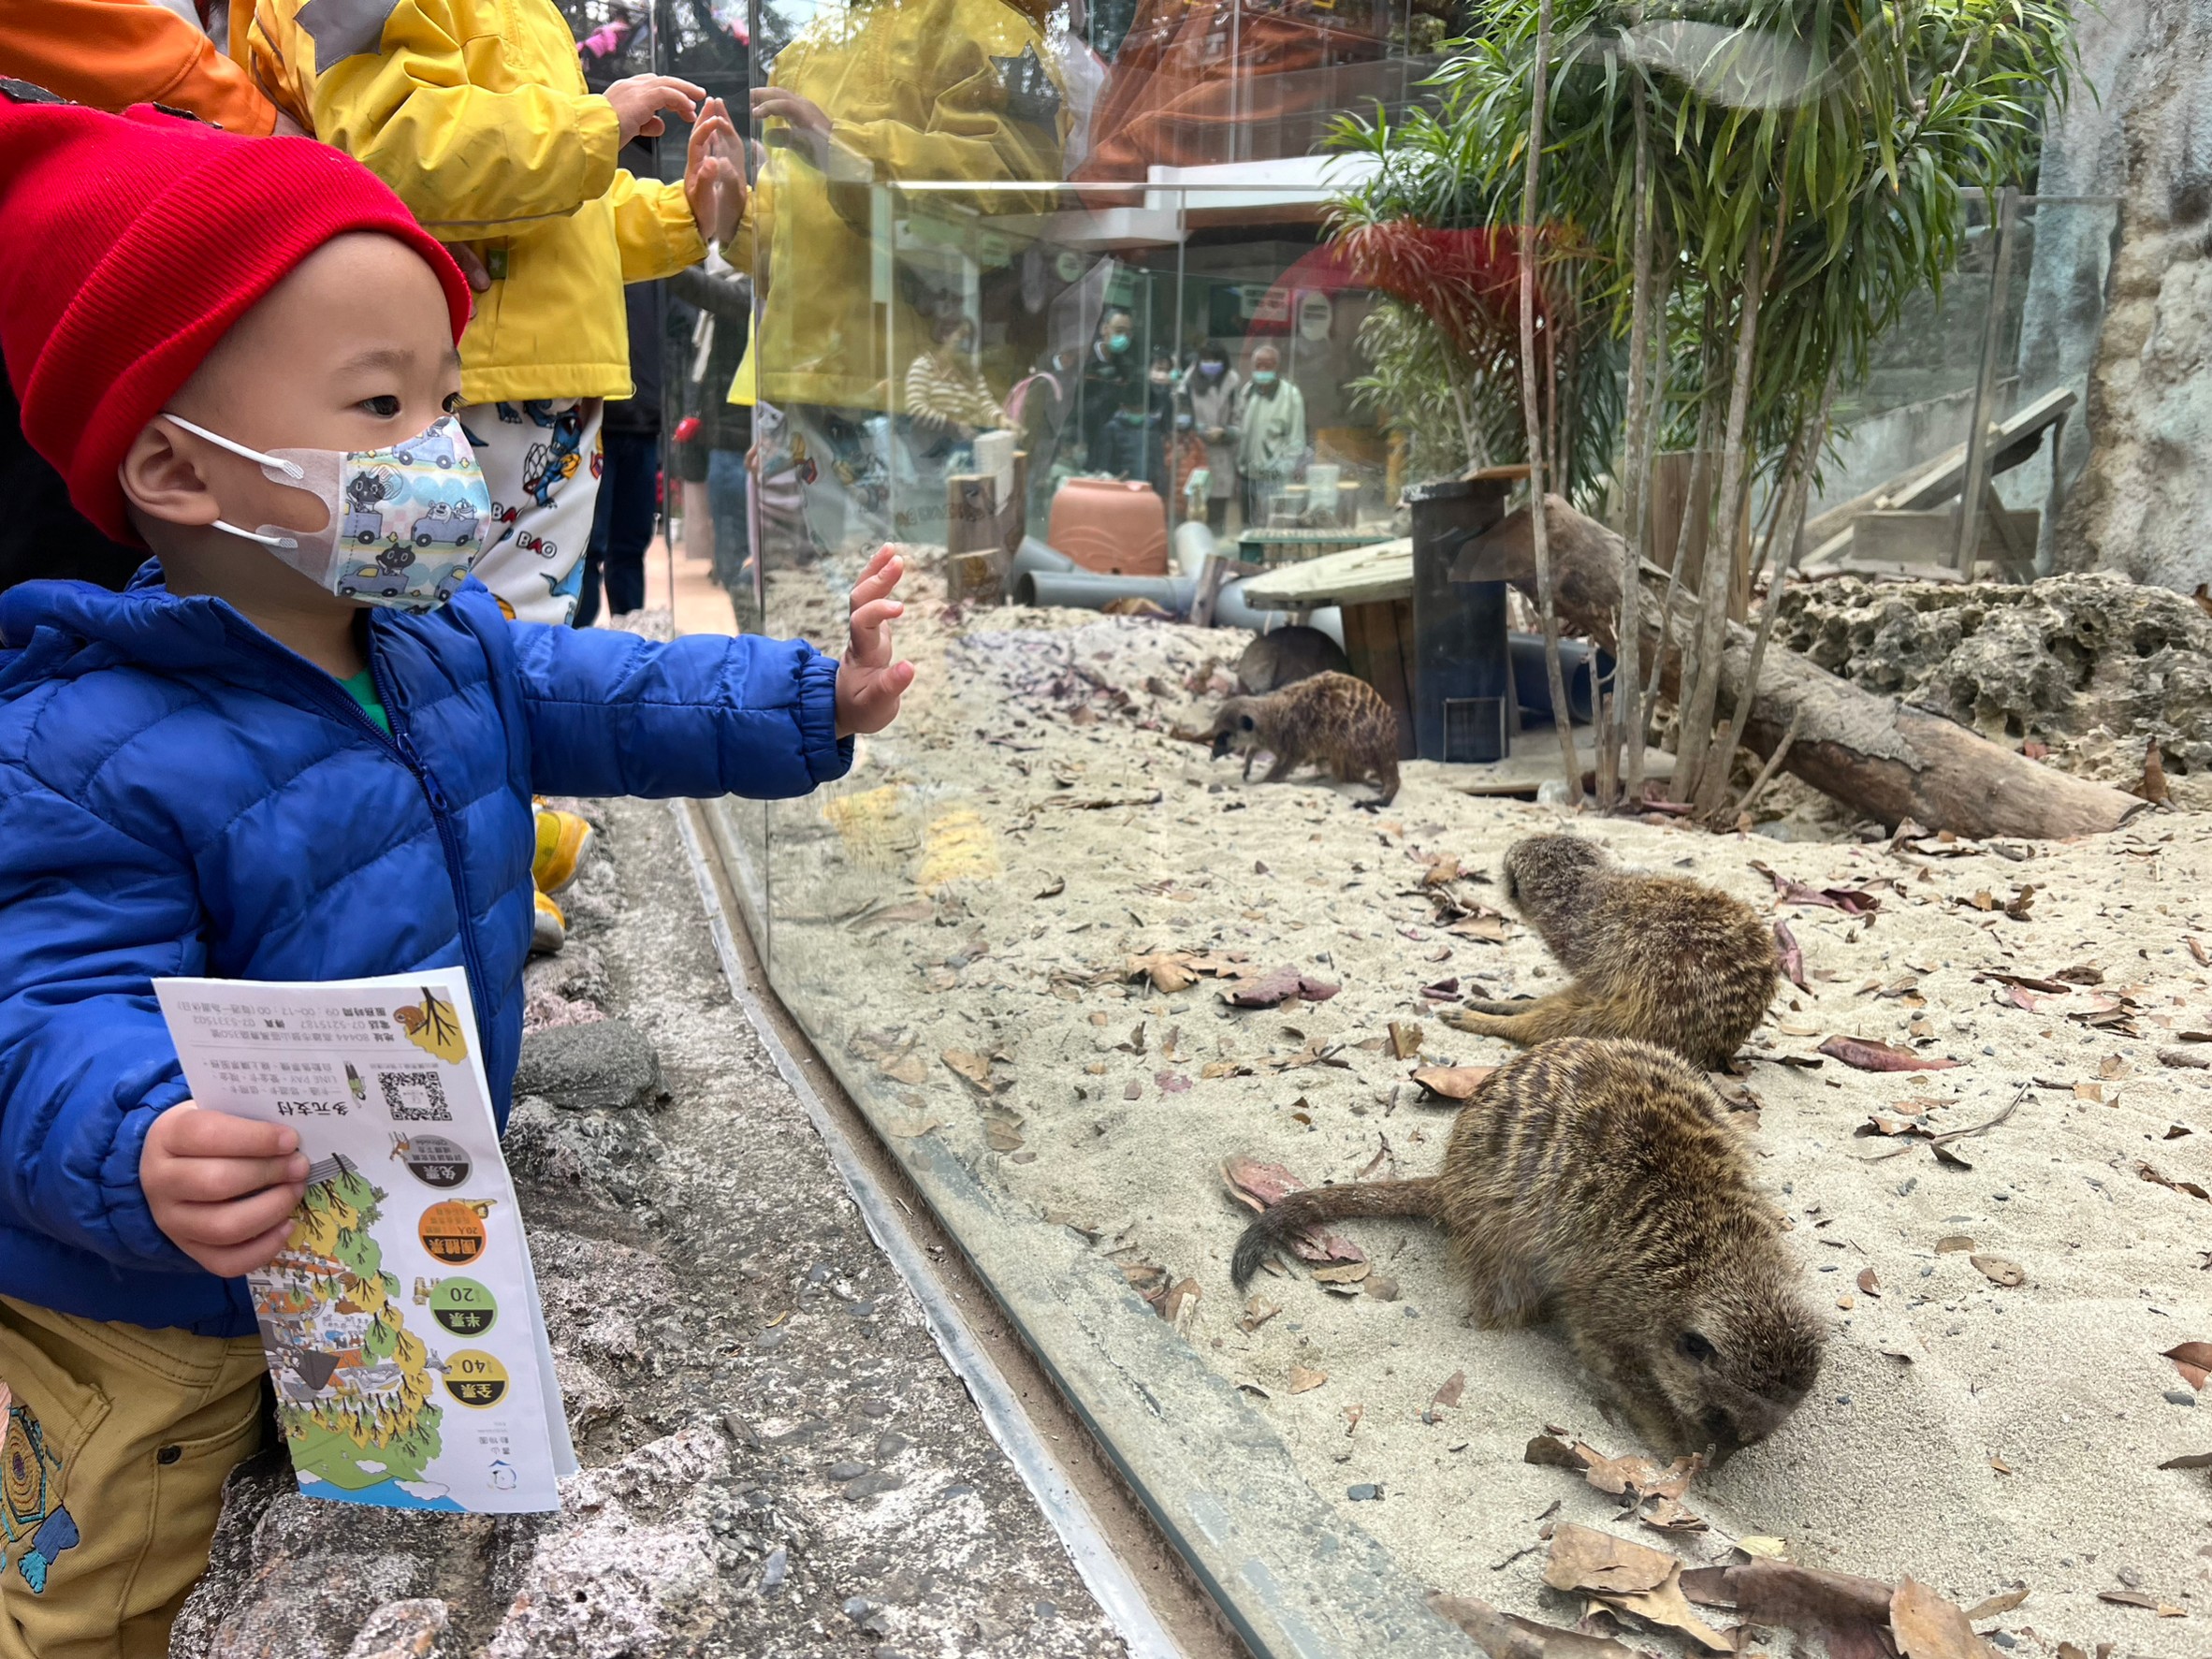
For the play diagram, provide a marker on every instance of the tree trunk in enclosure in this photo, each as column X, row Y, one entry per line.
column 1869, row 751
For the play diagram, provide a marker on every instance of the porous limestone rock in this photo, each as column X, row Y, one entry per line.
column 2093, row 666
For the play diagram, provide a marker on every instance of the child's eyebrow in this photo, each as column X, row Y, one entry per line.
column 394, row 357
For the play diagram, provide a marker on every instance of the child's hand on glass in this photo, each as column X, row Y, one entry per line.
column 714, row 174
column 870, row 682
column 221, row 1188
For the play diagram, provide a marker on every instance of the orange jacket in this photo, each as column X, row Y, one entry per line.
column 113, row 53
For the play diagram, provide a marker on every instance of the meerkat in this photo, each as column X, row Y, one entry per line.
column 1661, row 958
column 1331, row 720
column 1598, row 1183
column 1286, row 655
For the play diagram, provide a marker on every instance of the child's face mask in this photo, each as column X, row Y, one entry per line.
column 407, row 522
column 1118, row 342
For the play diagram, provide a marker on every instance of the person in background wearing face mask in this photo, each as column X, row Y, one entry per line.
column 1271, row 442
column 1114, row 389
column 301, row 746
column 1210, row 393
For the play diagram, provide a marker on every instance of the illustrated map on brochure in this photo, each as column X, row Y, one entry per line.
column 401, row 1322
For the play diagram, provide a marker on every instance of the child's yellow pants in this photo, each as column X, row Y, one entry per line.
column 111, row 1475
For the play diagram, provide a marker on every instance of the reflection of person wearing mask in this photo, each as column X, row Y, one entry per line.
column 1210, row 393
column 1113, row 401
column 940, row 90
column 1159, row 424
column 1272, row 441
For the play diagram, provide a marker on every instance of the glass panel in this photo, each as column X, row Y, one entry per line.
column 1049, row 298
column 892, row 895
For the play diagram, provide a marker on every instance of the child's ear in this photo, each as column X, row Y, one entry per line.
column 160, row 481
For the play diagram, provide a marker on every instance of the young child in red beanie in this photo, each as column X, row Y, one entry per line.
column 302, row 745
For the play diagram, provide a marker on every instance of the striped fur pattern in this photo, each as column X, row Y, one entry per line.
column 1599, row 1184
column 1329, row 721
column 1660, row 959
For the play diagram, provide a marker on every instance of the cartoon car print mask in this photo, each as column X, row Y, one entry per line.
column 423, row 497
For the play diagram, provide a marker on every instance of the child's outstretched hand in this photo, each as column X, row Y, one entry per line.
column 869, row 683
column 221, row 1188
column 714, row 174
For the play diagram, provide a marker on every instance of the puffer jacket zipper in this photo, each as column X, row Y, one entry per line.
column 324, row 690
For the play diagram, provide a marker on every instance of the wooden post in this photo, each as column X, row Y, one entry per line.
column 1378, row 641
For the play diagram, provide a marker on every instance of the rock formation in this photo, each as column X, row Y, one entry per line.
column 2094, row 667
column 2142, row 502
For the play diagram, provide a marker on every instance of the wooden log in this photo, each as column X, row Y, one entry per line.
column 1874, row 753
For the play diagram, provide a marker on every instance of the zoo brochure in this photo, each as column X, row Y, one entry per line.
column 402, row 1320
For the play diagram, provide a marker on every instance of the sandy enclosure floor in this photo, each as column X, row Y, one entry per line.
column 978, row 884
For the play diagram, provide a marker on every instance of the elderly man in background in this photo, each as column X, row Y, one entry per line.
column 1270, row 440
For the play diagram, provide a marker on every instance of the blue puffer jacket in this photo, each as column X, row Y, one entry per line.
column 180, row 795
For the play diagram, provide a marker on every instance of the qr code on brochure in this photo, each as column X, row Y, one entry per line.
column 415, row 1097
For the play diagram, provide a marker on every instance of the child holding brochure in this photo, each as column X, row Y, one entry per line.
column 302, row 746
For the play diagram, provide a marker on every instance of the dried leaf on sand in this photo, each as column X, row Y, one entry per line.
column 1791, row 953
column 1256, row 1183
column 1171, row 971
column 2135, row 1598
column 1629, row 1576
column 1453, row 1082
column 1654, row 1491
column 909, row 1068
column 1852, row 902
column 1849, row 1613
column 1866, row 1055
column 2004, row 1602
column 1508, row 1635
column 975, row 1067
column 1304, row 1380
column 1280, row 985
column 1998, row 1271
column 2193, row 1359
column 1929, row 1627
column 2157, row 1179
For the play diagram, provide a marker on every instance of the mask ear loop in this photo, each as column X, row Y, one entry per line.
column 269, row 463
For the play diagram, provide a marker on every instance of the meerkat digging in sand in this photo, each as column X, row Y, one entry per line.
column 1329, row 721
column 1600, row 1183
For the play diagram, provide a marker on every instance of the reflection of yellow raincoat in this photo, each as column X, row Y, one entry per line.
column 964, row 90
column 475, row 113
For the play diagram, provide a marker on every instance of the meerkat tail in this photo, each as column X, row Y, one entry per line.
column 1272, row 1230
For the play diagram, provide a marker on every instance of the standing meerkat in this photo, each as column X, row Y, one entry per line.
column 1660, row 959
column 1599, row 1184
column 1329, row 721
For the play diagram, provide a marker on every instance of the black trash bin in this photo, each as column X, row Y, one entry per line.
column 1462, row 671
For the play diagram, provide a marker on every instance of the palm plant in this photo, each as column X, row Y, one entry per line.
column 1745, row 194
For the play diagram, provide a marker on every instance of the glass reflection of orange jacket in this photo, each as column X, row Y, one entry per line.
column 475, row 113
column 110, row 54
column 958, row 90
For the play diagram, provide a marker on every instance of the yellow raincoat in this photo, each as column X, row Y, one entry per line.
column 962, row 90
column 475, row 113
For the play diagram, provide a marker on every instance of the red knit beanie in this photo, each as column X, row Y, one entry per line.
column 130, row 243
